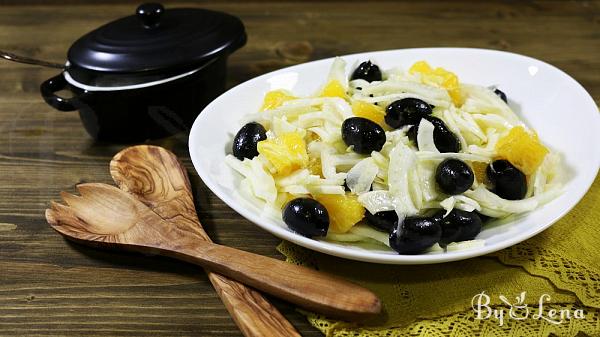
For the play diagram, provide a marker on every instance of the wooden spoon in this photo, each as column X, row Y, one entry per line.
column 105, row 215
column 155, row 177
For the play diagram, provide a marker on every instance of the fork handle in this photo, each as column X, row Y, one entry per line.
column 252, row 313
column 307, row 288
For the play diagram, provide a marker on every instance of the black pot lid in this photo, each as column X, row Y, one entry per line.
column 154, row 43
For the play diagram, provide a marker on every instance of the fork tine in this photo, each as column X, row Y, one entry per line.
column 86, row 188
column 65, row 224
column 69, row 198
column 107, row 196
column 100, row 191
column 59, row 208
column 56, row 206
column 62, row 213
column 63, row 219
column 51, row 217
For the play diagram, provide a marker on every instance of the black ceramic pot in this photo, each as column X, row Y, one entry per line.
column 147, row 76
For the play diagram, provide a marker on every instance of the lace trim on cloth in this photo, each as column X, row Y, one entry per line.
column 298, row 256
column 564, row 273
column 465, row 324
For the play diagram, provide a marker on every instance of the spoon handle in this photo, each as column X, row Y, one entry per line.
column 307, row 288
column 155, row 176
column 27, row 60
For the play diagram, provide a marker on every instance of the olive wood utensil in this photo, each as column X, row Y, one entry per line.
column 155, row 177
column 106, row 216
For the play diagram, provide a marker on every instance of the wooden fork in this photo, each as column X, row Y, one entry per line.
column 106, row 216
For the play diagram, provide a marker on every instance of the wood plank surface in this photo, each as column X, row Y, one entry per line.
column 49, row 287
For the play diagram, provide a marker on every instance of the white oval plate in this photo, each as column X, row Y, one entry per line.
column 553, row 103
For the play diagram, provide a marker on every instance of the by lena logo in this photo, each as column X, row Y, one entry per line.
column 519, row 310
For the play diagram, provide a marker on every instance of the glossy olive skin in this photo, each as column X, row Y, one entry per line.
column 244, row 142
column 385, row 221
column 507, row 181
column 454, row 176
column 363, row 134
column 406, row 111
column 458, row 225
column 367, row 71
column 444, row 139
column 307, row 217
column 415, row 235
column 501, row 94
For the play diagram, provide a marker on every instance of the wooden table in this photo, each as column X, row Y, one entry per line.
column 51, row 287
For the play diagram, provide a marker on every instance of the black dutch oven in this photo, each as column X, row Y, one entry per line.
column 148, row 75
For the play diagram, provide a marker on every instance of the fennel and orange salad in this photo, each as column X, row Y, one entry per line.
column 413, row 160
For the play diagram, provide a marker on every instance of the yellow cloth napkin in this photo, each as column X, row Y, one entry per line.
column 560, row 266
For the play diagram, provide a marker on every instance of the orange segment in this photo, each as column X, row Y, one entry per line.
column 439, row 77
column 314, row 166
column 369, row 111
column 479, row 168
column 334, row 89
column 344, row 211
column 522, row 149
column 286, row 153
column 420, row 67
column 274, row 99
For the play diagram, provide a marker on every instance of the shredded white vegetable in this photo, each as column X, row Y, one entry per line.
column 399, row 177
column 425, row 137
column 361, row 176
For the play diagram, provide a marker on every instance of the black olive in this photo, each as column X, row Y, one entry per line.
column 306, row 216
column 406, row 111
column 506, row 180
column 412, row 134
column 363, row 134
column 501, row 94
column 367, row 71
column 445, row 141
column 385, row 221
column 454, row 176
column 244, row 142
column 438, row 216
column 415, row 234
column 458, row 225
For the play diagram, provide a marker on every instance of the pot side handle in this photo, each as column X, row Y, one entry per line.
column 48, row 90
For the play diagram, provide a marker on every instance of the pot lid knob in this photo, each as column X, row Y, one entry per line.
column 150, row 13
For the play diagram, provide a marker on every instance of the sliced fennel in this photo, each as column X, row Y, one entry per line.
column 400, row 177
column 425, row 137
